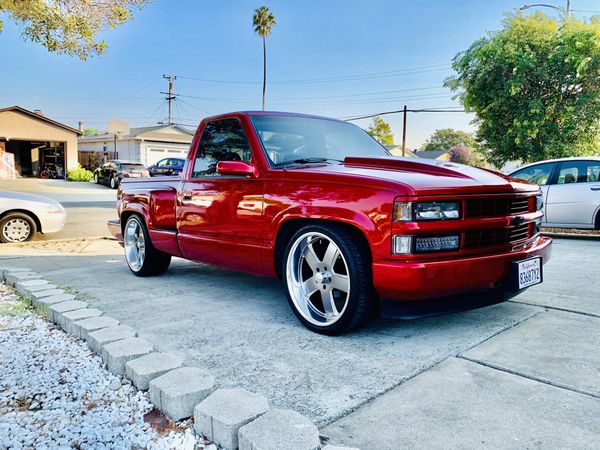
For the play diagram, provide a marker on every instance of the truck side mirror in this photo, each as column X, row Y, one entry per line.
column 241, row 168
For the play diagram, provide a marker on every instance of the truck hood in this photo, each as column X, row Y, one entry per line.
column 428, row 177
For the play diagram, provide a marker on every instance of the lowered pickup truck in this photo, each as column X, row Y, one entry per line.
column 320, row 204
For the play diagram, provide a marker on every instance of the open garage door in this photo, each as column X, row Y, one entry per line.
column 30, row 157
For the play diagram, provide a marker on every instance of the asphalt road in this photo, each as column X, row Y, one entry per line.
column 89, row 206
column 521, row 374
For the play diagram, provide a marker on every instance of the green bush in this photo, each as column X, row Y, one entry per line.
column 79, row 174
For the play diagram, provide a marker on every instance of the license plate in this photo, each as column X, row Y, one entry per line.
column 136, row 175
column 528, row 272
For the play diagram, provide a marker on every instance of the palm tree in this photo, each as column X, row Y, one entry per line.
column 262, row 21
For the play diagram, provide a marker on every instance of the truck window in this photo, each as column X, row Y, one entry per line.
column 222, row 140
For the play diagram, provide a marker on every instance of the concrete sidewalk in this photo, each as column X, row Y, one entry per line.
column 518, row 374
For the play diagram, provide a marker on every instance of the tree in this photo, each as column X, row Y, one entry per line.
column 446, row 138
column 90, row 132
column 69, row 26
column 535, row 88
column 465, row 155
column 263, row 22
column 382, row 131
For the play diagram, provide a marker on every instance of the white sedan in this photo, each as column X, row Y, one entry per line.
column 22, row 215
column 571, row 188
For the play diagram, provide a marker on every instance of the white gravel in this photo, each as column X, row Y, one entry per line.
column 55, row 394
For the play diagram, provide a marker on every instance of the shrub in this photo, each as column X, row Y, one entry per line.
column 79, row 174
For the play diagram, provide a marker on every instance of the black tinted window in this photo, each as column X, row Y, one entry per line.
column 222, row 140
column 579, row 172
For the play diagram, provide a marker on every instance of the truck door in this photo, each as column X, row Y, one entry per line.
column 220, row 217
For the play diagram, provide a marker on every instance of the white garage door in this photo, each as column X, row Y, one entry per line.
column 155, row 154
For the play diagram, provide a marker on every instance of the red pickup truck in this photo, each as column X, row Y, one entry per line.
column 320, row 204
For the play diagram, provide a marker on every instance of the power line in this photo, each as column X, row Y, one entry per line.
column 365, row 76
column 422, row 110
column 170, row 96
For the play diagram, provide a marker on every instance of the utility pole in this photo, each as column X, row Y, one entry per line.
column 170, row 96
column 568, row 6
column 405, row 111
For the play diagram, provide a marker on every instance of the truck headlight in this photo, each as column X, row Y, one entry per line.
column 409, row 211
column 403, row 245
column 539, row 202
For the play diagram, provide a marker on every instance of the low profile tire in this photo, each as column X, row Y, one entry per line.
column 327, row 273
column 17, row 227
column 113, row 183
column 141, row 256
column 96, row 178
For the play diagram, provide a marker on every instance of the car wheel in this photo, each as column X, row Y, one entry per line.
column 16, row 227
column 141, row 256
column 96, row 178
column 328, row 279
column 113, row 182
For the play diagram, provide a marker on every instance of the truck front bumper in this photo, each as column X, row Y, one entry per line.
column 435, row 279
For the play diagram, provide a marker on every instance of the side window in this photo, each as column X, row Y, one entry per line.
column 222, row 140
column 162, row 163
column 578, row 172
column 538, row 174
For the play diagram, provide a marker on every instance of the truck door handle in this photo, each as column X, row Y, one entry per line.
column 187, row 196
column 595, row 188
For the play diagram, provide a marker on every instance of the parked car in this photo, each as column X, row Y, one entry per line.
column 112, row 172
column 22, row 215
column 571, row 188
column 320, row 204
column 167, row 167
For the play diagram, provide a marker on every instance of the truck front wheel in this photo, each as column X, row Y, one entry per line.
column 328, row 279
column 142, row 258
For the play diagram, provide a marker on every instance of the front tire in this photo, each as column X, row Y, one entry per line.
column 141, row 256
column 113, row 182
column 17, row 227
column 96, row 178
column 327, row 273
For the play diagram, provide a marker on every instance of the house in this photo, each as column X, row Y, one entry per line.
column 396, row 150
column 440, row 155
column 146, row 145
column 30, row 141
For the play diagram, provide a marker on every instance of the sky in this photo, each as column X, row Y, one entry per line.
column 336, row 58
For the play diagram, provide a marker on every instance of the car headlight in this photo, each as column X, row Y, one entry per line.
column 539, row 202
column 409, row 211
column 55, row 209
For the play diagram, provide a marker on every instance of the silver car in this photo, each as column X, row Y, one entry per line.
column 571, row 188
column 21, row 215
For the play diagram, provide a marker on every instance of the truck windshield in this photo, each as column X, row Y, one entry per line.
column 294, row 139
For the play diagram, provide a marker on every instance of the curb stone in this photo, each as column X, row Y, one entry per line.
column 68, row 319
column 148, row 367
column 177, row 392
column 280, row 429
column 96, row 339
column 83, row 328
column 56, row 309
column 116, row 354
column 220, row 416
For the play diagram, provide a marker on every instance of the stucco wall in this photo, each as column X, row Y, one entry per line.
column 16, row 125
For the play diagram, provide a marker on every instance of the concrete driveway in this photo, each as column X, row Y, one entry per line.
column 524, row 373
column 88, row 205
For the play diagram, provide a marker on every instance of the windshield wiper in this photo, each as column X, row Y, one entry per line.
column 308, row 161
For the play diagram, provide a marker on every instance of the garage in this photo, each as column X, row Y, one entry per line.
column 32, row 144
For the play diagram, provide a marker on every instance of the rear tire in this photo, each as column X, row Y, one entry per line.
column 17, row 227
column 142, row 258
column 327, row 273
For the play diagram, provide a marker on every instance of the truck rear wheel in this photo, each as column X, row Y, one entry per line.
column 328, row 279
column 141, row 256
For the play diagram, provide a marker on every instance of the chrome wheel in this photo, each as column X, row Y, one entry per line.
column 135, row 245
column 113, row 183
column 318, row 279
column 16, row 230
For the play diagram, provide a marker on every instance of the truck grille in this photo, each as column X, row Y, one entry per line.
column 496, row 207
column 495, row 236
